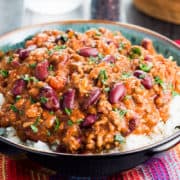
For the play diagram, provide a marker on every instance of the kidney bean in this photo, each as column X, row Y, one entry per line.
column 15, row 63
column 93, row 98
column 41, row 70
column 148, row 57
column 68, row 99
column 89, row 120
column 117, row 93
column 139, row 74
column 23, row 53
column 51, row 99
column 146, row 43
column 147, row 82
column 18, row 87
column 88, row 51
column 132, row 124
column 109, row 59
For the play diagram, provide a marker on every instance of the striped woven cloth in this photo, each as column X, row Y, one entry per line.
column 164, row 166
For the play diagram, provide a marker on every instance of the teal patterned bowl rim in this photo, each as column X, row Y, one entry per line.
column 164, row 45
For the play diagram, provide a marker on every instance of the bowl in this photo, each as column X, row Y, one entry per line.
column 90, row 164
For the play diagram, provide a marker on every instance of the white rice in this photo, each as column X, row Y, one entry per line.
column 160, row 131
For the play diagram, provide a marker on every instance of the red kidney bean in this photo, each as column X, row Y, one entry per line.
column 93, row 98
column 147, row 82
column 41, row 70
column 139, row 74
column 146, row 43
column 68, row 99
column 15, row 63
column 109, row 59
column 117, row 93
column 18, row 87
column 89, row 120
column 23, row 53
column 88, row 51
column 52, row 102
column 132, row 124
column 148, row 57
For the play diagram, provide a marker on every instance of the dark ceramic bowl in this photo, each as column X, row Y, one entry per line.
column 90, row 165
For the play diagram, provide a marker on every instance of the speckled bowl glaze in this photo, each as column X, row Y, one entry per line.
column 97, row 164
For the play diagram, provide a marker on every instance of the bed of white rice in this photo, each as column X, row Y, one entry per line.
column 160, row 131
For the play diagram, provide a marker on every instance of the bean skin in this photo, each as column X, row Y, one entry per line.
column 89, row 120
column 93, row 98
column 68, row 99
column 52, row 102
column 146, row 43
column 88, row 51
column 18, row 87
column 147, row 82
column 117, row 93
column 139, row 74
column 41, row 70
column 23, row 53
column 109, row 59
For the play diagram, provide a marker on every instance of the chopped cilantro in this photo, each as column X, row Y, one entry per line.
column 126, row 75
column 103, row 76
column 145, row 67
column 34, row 128
column 121, row 112
column 119, row 138
column 51, row 67
column 18, row 97
column 10, row 59
column 32, row 65
column 4, row 73
column 70, row 123
column 68, row 111
column 107, row 89
column 134, row 52
column 43, row 100
column 28, row 78
column 57, row 124
column 34, row 125
column 121, row 46
column 79, row 121
column 127, row 97
column 93, row 60
column 100, row 56
column 13, row 108
column 32, row 100
column 158, row 81
column 57, row 48
column 174, row 93
column 51, row 112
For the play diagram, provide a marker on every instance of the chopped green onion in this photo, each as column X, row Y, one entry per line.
column 79, row 121
column 32, row 100
column 32, row 65
column 135, row 52
column 119, row 138
column 121, row 112
column 34, row 128
column 100, row 56
column 121, row 46
column 4, row 73
column 18, row 97
column 28, row 78
column 126, row 75
column 103, row 76
column 51, row 112
column 10, row 59
column 57, row 124
column 43, row 100
column 70, row 123
column 174, row 93
column 57, row 48
column 158, row 81
column 13, row 108
column 51, row 67
column 145, row 67
column 68, row 111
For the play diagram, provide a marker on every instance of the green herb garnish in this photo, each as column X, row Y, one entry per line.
column 79, row 121
column 145, row 67
column 64, row 38
column 126, row 75
column 18, row 97
column 158, row 81
column 51, row 67
column 119, row 138
column 10, row 59
column 100, row 56
column 121, row 46
column 13, row 108
column 34, row 125
column 4, row 73
column 121, row 112
column 43, row 100
column 32, row 65
column 93, row 60
column 57, row 124
column 70, row 123
column 32, row 100
column 134, row 52
column 51, row 112
column 106, row 89
column 174, row 93
column 28, row 78
column 68, row 111
column 103, row 76
column 57, row 48
column 48, row 133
